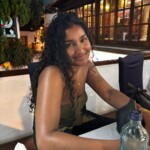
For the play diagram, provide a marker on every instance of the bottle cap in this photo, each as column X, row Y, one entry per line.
column 135, row 115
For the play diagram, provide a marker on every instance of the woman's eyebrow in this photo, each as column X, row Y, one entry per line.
column 82, row 36
column 69, row 41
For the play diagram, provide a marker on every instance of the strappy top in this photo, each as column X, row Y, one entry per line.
column 74, row 113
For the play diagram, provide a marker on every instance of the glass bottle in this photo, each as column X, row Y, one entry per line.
column 133, row 134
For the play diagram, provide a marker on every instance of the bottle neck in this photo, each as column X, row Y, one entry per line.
column 135, row 122
column 135, row 117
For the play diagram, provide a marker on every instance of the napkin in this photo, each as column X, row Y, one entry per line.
column 20, row 146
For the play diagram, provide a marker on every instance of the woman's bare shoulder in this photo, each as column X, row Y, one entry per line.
column 51, row 69
column 90, row 64
column 52, row 72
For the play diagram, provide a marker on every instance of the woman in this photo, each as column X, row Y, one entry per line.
column 59, row 88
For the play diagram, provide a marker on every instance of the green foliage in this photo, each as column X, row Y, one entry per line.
column 5, row 10
column 2, row 54
column 14, row 51
column 27, row 11
column 14, row 7
column 18, row 54
column 36, row 13
column 3, row 44
column 21, row 8
column 24, row 15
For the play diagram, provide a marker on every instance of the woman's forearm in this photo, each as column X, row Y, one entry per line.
column 118, row 99
column 64, row 141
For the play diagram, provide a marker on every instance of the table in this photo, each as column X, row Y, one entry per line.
column 107, row 132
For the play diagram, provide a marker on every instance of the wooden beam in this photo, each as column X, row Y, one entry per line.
column 64, row 5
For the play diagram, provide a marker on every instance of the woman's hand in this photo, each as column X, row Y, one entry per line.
column 146, row 116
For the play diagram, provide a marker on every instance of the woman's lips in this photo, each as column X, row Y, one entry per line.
column 80, row 57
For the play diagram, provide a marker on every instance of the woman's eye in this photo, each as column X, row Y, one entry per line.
column 83, row 40
column 68, row 45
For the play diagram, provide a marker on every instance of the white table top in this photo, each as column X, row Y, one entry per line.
column 107, row 132
column 102, row 56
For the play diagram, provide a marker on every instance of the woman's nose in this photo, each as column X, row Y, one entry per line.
column 79, row 47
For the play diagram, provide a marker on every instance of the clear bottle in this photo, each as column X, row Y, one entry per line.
column 133, row 134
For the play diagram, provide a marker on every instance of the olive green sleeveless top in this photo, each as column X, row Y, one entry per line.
column 74, row 114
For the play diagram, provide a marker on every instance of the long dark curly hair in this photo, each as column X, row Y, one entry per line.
column 55, row 52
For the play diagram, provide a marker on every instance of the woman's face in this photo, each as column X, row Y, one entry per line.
column 78, row 45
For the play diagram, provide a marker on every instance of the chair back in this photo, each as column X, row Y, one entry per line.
column 31, row 69
column 131, row 71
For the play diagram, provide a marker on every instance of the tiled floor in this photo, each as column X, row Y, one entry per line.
column 28, row 142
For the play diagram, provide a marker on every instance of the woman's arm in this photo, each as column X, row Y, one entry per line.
column 47, row 115
column 111, row 95
column 104, row 90
column 146, row 117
